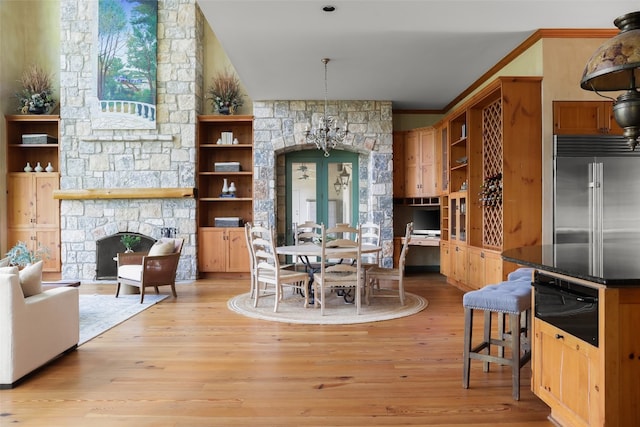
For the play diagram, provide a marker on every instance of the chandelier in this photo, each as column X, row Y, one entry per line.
column 328, row 135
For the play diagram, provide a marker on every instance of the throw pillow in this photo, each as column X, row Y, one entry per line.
column 162, row 248
column 4, row 262
column 31, row 279
column 9, row 270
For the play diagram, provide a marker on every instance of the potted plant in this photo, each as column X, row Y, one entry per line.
column 224, row 93
column 37, row 92
column 21, row 256
column 129, row 241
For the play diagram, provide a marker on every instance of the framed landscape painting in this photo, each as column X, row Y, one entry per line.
column 126, row 67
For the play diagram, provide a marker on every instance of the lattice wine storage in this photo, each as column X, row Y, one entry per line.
column 491, row 193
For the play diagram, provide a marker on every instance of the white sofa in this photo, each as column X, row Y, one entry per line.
column 34, row 330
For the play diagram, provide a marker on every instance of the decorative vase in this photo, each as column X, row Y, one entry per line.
column 38, row 168
column 36, row 110
column 232, row 188
column 225, row 187
column 49, row 167
column 128, row 251
column 224, row 110
column 28, row 168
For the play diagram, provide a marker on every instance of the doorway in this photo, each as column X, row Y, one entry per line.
column 321, row 189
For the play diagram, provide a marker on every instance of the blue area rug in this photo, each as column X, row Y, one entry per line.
column 99, row 313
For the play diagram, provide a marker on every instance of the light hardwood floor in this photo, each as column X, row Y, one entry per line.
column 191, row 362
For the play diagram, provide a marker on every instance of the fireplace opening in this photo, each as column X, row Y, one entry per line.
column 107, row 249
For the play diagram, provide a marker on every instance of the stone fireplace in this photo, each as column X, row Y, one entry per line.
column 156, row 167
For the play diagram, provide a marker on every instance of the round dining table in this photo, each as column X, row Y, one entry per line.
column 312, row 250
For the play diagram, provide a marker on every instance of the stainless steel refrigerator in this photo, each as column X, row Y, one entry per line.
column 597, row 192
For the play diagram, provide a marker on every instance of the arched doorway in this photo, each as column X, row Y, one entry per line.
column 321, row 189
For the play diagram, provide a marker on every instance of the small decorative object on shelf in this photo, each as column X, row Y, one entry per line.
column 225, row 187
column 39, row 167
column 224, row 93
column 232, row 189
column 235, row 141
column 491, row 191
column 49, row 167
column 28, row 167
column 36, row 96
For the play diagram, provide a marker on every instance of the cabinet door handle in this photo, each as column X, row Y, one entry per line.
column 559, row 337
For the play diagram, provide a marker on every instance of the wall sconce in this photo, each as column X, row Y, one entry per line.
column 337, row 186
column 344, row 177
column 616, row 66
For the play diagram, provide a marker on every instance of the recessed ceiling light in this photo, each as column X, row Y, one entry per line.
column 329, row 8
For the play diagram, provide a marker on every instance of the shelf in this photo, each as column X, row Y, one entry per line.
column 17, row 146
column 459, row 141
column 225, row 199
column 240, row 173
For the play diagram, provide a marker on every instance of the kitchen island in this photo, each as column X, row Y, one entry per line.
column 586, row 331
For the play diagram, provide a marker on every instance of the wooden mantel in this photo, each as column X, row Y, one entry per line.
column 124, row 193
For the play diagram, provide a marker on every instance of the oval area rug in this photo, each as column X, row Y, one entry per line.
column 291, row 309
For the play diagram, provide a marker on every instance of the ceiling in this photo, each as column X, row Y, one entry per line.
column 419, row 54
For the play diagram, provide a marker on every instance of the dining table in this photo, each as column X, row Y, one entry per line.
column 312, row 250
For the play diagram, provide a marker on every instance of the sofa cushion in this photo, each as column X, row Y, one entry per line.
column 131, row 272
column 162, row 248
column 31, row 279
column 4, row 262
column 9, row 270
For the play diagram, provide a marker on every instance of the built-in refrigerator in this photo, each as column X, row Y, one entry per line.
column 597, row 193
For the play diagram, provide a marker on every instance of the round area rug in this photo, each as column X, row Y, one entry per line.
column 337, row 311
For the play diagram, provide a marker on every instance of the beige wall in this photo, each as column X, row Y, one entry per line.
column 216, row 60
column 30, row 34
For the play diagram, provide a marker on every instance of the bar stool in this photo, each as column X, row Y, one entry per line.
column 512, row 298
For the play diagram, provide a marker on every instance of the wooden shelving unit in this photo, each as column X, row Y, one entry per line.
column 33, row 215
column 223, row 249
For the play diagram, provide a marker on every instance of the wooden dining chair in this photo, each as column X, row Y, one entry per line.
column 342, row 276
column 269, row 272
column 376, row 274
column 306, row 233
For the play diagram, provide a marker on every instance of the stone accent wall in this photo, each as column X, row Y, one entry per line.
column 279, row 128
column 158, row 158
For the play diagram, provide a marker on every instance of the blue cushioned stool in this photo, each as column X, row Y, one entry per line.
column 512, row 298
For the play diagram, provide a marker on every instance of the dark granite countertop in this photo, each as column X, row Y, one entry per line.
column 615, row 265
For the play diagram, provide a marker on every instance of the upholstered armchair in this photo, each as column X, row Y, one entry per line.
column 155, row 268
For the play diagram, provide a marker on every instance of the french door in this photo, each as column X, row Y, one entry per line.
column 321, row 189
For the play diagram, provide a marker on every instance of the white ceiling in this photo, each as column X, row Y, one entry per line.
column 420, row 54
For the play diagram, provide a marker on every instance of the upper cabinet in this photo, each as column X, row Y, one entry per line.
column 584, row 118
column 420, row 163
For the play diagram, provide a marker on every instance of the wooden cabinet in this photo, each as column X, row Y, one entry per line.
column 420, row 168
column 584, row 118
column 398, row 164
column 445, row 258
column 222, row 249
column 495, row 156
column 33, row 215
column 485, row 267
column 218, row 246
column 442, row 157
column 585, row 385
column 566, row 374
column 458, row 263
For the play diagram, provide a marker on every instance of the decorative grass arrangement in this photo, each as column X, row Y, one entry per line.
column 224, row 93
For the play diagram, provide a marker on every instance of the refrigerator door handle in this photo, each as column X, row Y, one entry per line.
column 596, row 219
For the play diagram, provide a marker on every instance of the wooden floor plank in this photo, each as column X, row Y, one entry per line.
column 191, row 362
